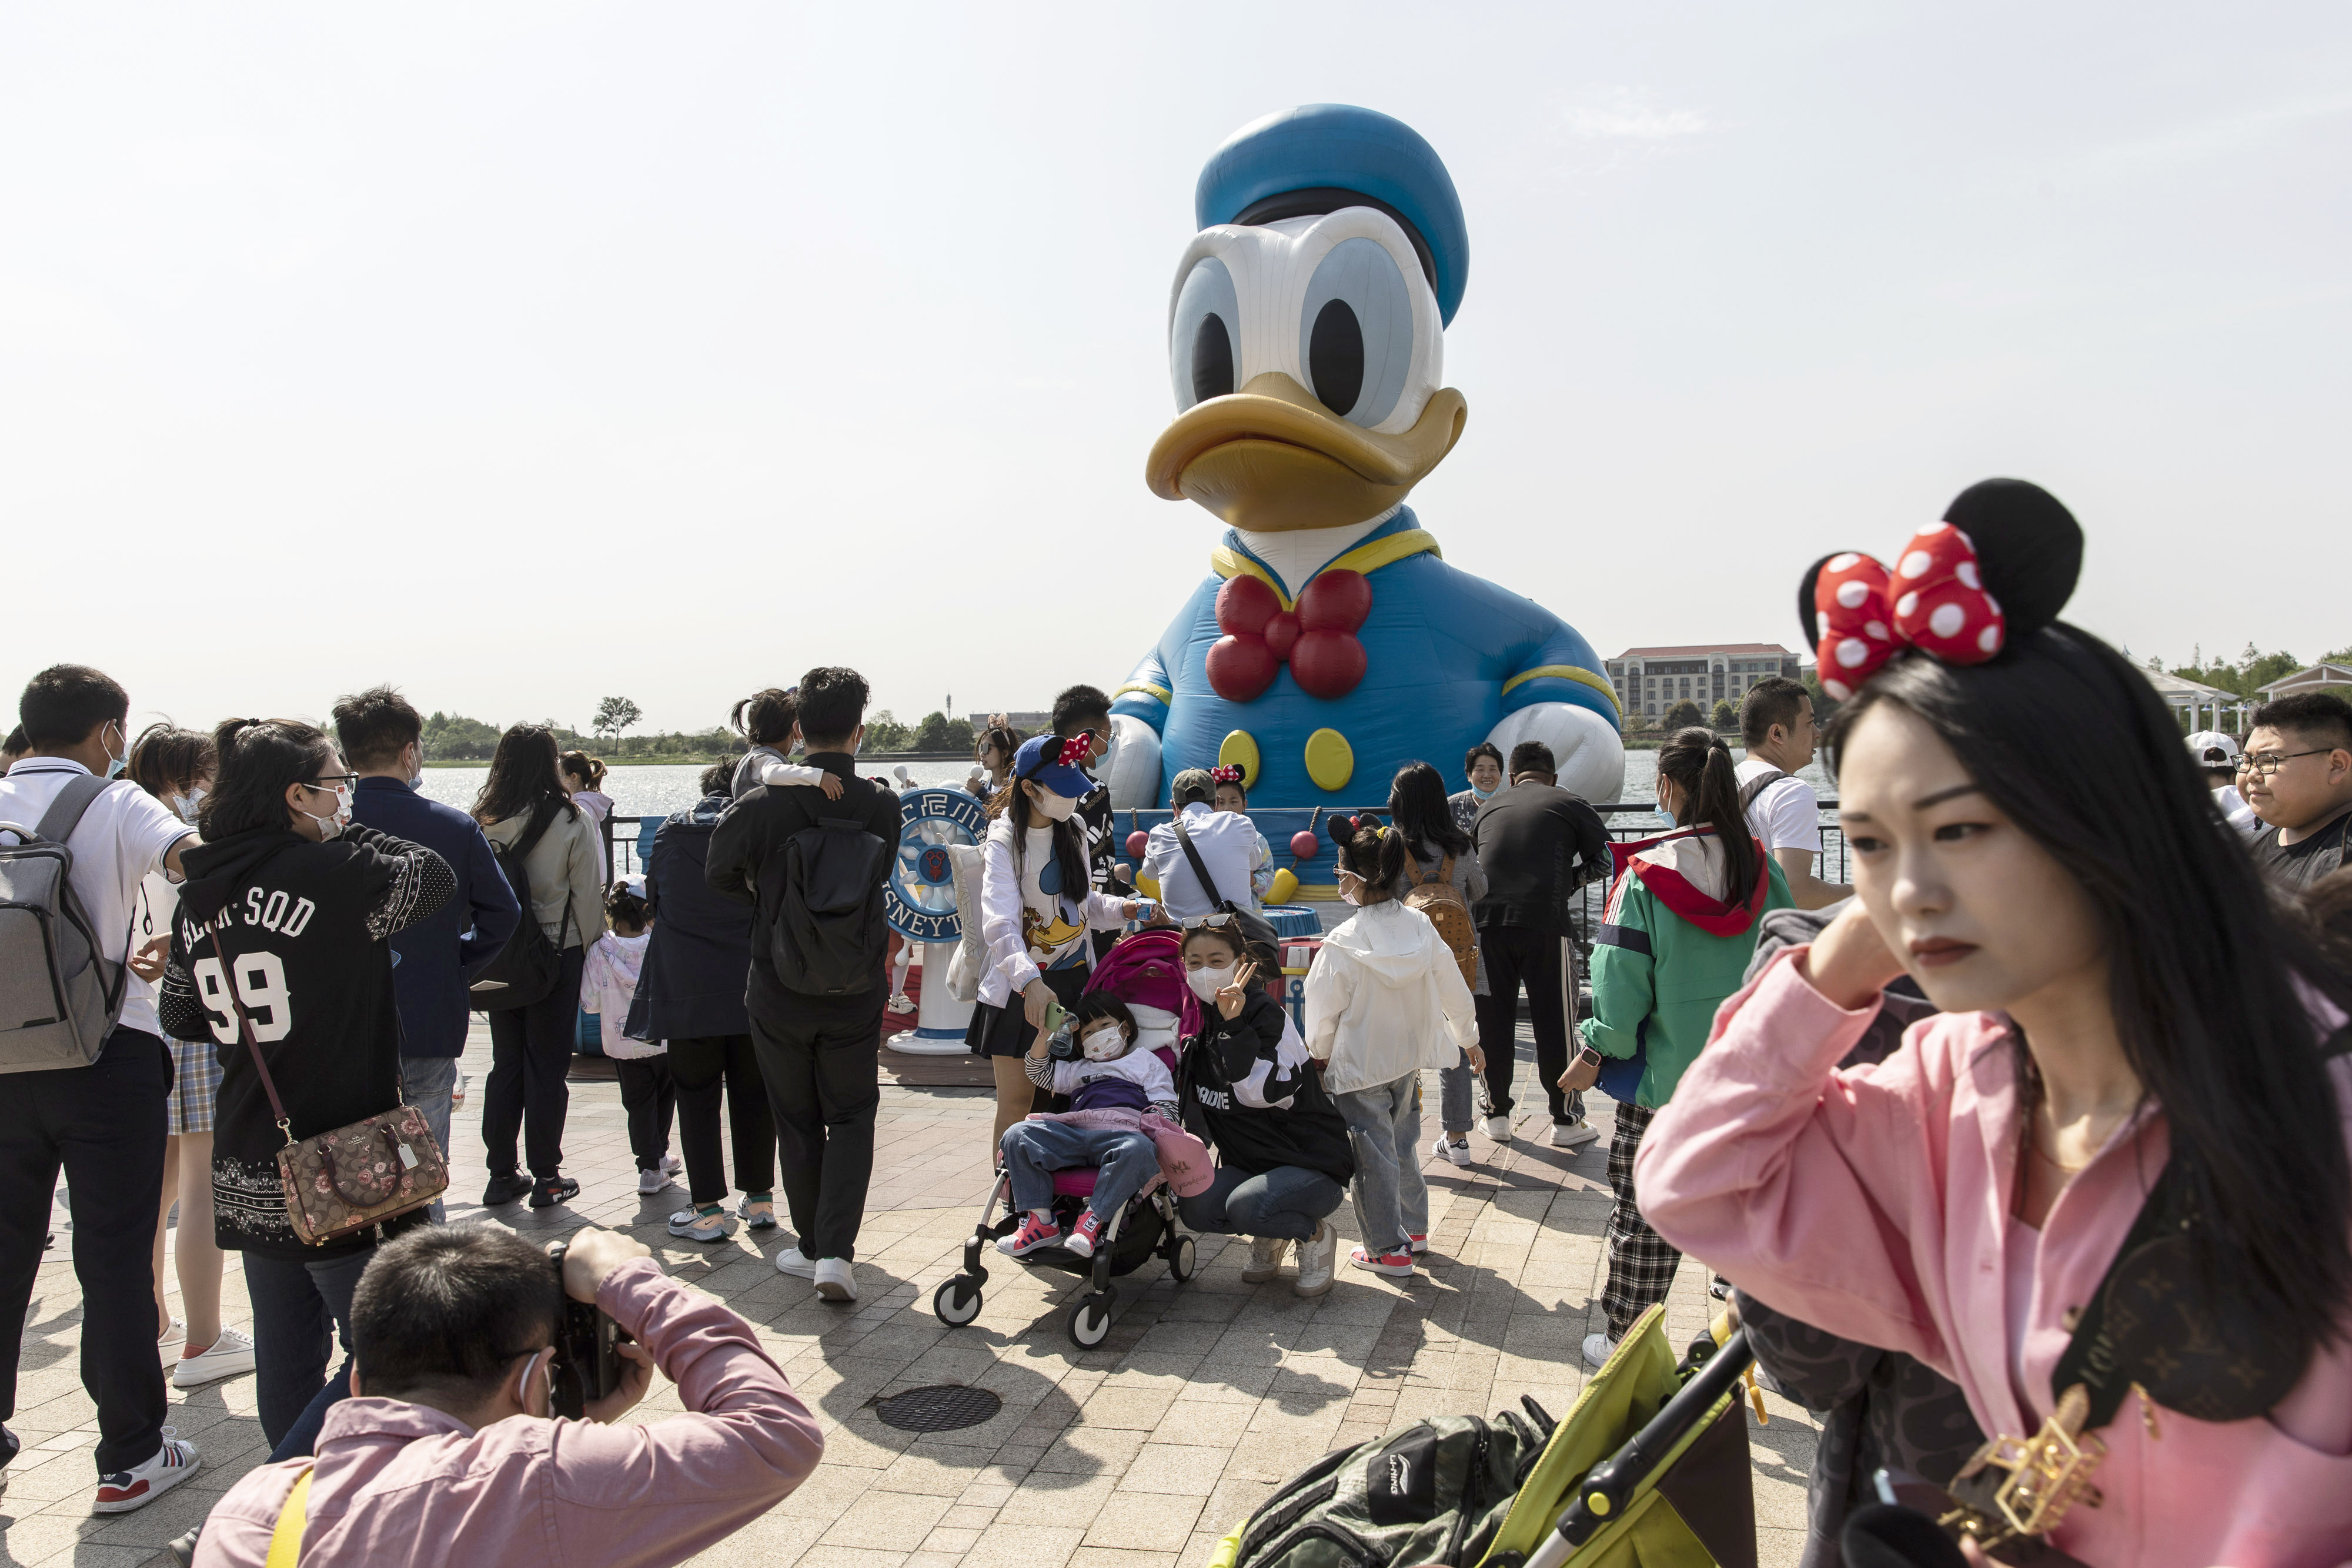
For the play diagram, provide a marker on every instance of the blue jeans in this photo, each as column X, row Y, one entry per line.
column 300, row 1307
column 1384, row 1127
column 1034, row 1151
column 1287, row 1201
column 427, row 1081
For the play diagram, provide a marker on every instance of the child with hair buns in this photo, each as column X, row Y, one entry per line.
column 1385, row 999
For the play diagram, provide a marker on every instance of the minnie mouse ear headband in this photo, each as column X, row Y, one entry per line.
column 1997, row 568
column 1343, row 830
column 1053, row 763
column 1226, row 773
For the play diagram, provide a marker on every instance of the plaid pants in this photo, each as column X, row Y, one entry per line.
column 1640, row 1263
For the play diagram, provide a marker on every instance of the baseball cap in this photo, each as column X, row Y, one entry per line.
column 1052, row 762
column 2205, row 742
column 1192, row 784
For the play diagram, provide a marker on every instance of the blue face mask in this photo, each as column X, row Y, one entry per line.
column 1667, row 817
column 1483, row 795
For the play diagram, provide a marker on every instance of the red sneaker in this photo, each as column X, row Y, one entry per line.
column 1417, row 1243
column 1392, row 1263
column 1035, row 1232
column 1085, row 1234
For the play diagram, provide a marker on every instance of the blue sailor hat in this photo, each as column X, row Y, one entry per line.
column 1320, row 157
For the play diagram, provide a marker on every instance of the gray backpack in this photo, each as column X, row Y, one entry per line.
column 59, row 996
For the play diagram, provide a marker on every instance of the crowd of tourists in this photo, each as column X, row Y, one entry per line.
column 2084, row 974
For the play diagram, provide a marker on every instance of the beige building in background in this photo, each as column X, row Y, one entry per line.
column 1649, row 681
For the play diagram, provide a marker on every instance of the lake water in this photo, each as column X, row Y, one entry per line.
column 658, row 790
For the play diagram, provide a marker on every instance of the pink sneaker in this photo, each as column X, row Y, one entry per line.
column 1392, row 1263
column 1085, row 1234
column 1035, row 1231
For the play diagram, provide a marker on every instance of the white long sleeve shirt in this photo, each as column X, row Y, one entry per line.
column 1228, row 842
column 1386, row 999
column 1027, row 929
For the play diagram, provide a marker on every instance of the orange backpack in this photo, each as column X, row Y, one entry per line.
column 1437, row 898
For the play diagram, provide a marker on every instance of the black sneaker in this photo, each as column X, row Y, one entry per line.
column 184, row 1551
column 504, row 1190
column 10, row 1444
column 549, row 1191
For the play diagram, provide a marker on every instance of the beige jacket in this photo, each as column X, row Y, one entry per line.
column 565, row 863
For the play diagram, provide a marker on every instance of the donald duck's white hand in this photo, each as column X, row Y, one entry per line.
column 1132, row 769
column 1587, row 752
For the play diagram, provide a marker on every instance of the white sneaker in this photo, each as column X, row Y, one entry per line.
column 835, row 1282
column 177, row 1333
column 231, row 1355
column 1450, row 1149
column 1317, row 1257
column 125, row 1492
column 1574, row 1135
column 1264, row 1260
column 793, row 1261
column 1598, row 1348
column 653, row 1181
column 672, row 1164
column 697, row 1226
column 1499, row 1129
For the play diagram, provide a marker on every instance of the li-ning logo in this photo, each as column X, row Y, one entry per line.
column 1400, row 1475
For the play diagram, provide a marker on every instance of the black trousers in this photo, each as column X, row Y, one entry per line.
column 703, row 1070
column 1547, row 965
column 823, row 1087
column 530, row 1057
column 104, row 1125
column 649, row 1094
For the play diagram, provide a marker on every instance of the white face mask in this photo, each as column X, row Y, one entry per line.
column 1208, row 980
column 1106, row 1044
column 186, row 805
column 332, row 826
column 114, row 765
column 1054, row 808
column 1351, row 889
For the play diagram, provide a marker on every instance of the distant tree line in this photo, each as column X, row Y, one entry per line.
column 454, row 738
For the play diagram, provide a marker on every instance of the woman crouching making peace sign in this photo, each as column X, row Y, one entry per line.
column 2132, row 1063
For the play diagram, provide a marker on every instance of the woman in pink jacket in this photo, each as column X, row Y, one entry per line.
column 2128, row 1026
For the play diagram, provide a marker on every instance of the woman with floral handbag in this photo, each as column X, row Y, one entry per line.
column 279, row 955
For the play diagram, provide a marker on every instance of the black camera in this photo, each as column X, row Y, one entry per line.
column 588, row 1363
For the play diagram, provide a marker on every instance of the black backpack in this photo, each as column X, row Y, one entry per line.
column 526, row 969
column 829, row 938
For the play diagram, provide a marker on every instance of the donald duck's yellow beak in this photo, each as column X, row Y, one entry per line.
column 1270, row 457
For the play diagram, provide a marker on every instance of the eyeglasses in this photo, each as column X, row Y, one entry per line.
column 2269, row 762
column 329, row 781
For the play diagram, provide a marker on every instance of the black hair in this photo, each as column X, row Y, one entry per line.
column 1074, row 705
column 1483, row 748
column 165, row 758
column 446, row 1307
column 1268, row 961
column 258, row 759
column 1775, row 699
column 1238, row 786
column 580, row 765
column 65, row 702
column 373, row 725
column 718, row 779
column 2323, row 715
column 998, row 733
column 766, row 718
column 16, row 745
column 1093, row 1005
column 1424, row 815
column 2070, row 742
column 833, row 704
column 624, row 907
column 1377, row 855
column 523, row 777
column 1069, row 835
column 1699, row 763
column 1530, row 757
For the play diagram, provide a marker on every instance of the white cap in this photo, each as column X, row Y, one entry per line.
column 2209, row 740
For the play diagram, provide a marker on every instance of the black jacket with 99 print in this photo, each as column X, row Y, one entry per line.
column 302, row 927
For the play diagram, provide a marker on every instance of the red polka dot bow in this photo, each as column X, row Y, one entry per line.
column 1228, row 773
column 1934, row 600
column 1077, row 748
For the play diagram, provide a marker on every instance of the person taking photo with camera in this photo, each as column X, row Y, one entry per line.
column 446, row 1451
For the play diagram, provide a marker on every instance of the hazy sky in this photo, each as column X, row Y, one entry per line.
column 522, row 355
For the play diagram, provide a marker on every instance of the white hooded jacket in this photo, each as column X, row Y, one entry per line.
column 1386, row 999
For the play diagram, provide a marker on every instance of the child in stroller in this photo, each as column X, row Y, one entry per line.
column 1108, row 1073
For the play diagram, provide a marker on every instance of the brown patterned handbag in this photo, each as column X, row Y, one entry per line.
column 356, row 1176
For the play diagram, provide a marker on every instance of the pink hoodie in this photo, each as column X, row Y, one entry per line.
column 402, row 1483
column 1874, row 1204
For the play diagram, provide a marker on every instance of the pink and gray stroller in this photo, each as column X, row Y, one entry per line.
column 1146, row 972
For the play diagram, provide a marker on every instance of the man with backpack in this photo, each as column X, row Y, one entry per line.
column 815, row 869
column 87, row 1079
column 1776, row 725
column 1539, row 845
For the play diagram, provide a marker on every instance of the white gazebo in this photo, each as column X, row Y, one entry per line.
column 2317, row 677
column 2196, row 700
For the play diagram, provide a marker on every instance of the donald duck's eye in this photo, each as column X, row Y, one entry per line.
column 1203, row 335
column 1355, row 331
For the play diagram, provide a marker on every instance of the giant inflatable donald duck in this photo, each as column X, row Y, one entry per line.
column 1333, row 645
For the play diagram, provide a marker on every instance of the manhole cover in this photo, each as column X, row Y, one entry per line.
column 943, row 1407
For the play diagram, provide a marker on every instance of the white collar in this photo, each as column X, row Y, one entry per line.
column 1297, row 554
column 47, row 765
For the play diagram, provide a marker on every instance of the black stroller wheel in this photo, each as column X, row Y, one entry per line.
column 957, row 1301
column 1089, row 1323
column 1181, row 1260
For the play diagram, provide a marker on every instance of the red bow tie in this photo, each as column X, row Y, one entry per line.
column 1934, row 600
column 1317, row 638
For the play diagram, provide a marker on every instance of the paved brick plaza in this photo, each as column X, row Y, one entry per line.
column 1135, row 1454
